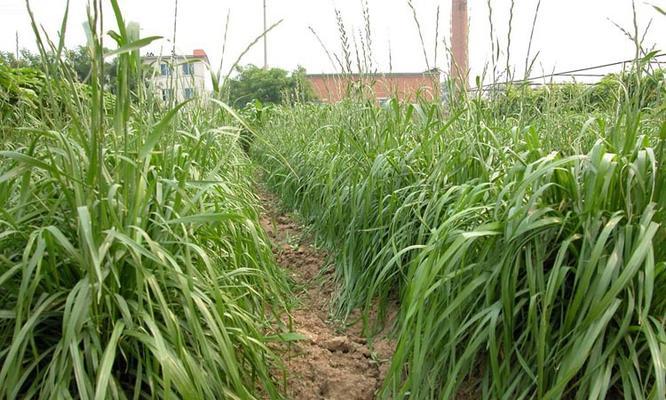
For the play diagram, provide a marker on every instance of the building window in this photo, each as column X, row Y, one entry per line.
column 167, row 94
column 188, row 69
column 165, row 70
column 188, row 93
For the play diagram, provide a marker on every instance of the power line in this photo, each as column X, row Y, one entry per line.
column 584, row 75
column 573, row 72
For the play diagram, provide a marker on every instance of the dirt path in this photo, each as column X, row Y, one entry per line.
column 332, row 363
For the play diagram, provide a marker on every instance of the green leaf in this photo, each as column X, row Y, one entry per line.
column 158, row 130
column 659, row 9
column 26, row 159
column 662, row 131
column 104, row 372
column 287, row 337
column 135, row 45
column 207, row 218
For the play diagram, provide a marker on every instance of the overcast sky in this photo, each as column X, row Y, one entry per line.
column 569, row 33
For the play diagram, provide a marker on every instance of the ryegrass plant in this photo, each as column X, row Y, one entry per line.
column 132, row 264
column 526, row 249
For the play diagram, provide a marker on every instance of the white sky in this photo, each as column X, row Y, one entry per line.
column 569, row 33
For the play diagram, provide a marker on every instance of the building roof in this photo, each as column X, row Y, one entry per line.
column 431, row 72
column 196, row 54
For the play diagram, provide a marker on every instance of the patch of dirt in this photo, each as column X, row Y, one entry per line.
column 331, row 362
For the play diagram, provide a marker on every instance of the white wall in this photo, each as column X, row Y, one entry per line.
column 178, row 82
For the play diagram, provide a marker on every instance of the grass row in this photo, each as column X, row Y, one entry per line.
column 132, row 263
column 524, row 244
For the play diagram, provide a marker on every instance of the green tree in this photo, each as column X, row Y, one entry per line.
column 78, row 59
column 7, row 58
column 270, row 86
column 26, row 59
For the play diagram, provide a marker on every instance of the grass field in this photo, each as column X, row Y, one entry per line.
column 520, row 233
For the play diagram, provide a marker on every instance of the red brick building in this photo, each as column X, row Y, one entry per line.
column 331, row 88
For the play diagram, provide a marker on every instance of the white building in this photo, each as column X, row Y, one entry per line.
column 182, row 75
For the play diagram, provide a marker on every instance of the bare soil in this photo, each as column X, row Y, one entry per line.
column 331, row 362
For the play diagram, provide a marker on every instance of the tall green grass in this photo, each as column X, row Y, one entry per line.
column 525, row 247
column 132, row 264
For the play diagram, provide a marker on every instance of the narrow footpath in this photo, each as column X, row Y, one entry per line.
column 331, row 362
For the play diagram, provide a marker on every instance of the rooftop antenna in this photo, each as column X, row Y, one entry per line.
column 265, row 39
column 173, row 83
column 175, row 25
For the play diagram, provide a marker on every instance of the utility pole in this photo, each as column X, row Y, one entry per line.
column 459, row 31
column 17, row 47
column 265, row 39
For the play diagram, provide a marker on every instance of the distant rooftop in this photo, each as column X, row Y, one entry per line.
column 197, row 53
column 433, row 71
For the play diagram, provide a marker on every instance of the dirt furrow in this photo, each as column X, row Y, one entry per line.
column 331, row 362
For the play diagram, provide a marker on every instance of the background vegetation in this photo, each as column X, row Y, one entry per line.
column 79, row 59
column 269, row 86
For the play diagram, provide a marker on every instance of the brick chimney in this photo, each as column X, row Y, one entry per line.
column 459, row 31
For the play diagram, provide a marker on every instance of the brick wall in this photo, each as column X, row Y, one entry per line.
column 331, row 88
